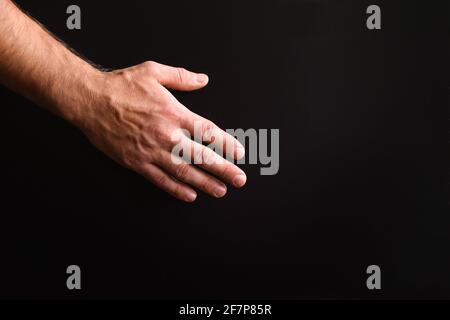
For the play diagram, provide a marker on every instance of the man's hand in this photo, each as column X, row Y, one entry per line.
column 128, row 114
column 135, row 119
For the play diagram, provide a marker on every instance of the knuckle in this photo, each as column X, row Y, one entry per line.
column 174, row 112
column 198, row 155
column 208, row 125
column 207, row 185
column 208, row 128
column 130, row 160
column 163, row 135
column 157, row 157
column 225, row 171
column 178, row 192
column 151, row 67
column 160, row 180
column 182, row 74
column 208, row 156
column 182, row 171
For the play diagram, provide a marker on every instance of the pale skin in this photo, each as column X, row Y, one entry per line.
column 128, row 114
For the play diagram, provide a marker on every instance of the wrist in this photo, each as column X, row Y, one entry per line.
column 83, row 94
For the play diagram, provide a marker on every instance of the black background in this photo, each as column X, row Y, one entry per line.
column 364, row 158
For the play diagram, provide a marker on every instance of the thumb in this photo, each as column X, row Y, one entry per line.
column 180, row 78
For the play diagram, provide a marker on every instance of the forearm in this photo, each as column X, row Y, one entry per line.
column 36, row 65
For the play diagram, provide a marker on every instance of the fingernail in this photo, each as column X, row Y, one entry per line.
column 239, row 180
column 240, row 152
column 191, row 196
column 219, row 192
column 202, row 78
